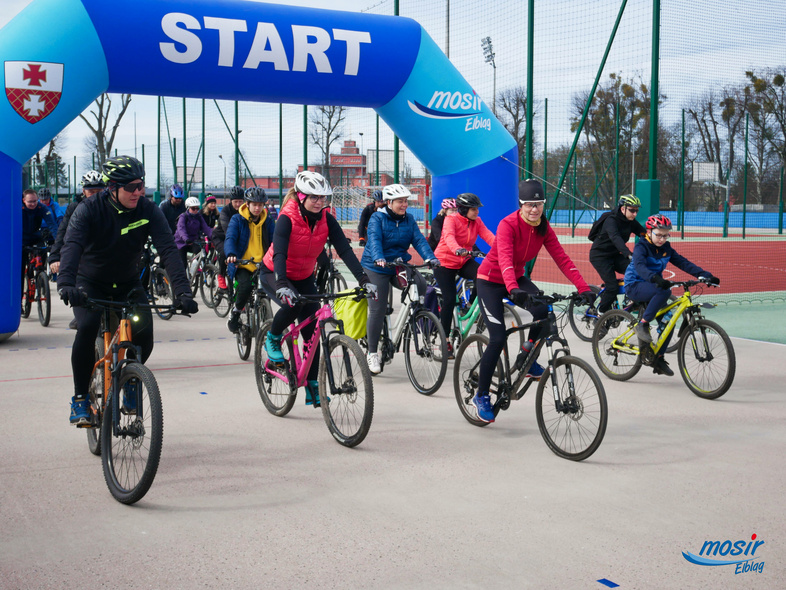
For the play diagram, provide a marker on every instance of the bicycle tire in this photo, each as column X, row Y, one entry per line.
column 348, row 415
column 27, row 303
column 264, row 310
column 161, row 292
column 426, row 359
column 512, row 319
column 278, row 396
column 465, row 377
column 96, row 399
column 130, row 462
column 574, row 434
column 619, row 365
column 581, row 319
column 43, row 298
column 207, row 285
column 708, row 381
column 243, row 335
column 223, row 299
column 337, row 283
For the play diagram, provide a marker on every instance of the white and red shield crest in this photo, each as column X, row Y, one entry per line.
column 33, row 88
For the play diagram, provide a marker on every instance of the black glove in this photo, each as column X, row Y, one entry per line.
column 72, row 296
column 433, row 263
column 187, row 304
column 519, row 297
column 712, row 279
column 587, row 298
column 362, row 243
column 661, row 282
column 462, row 252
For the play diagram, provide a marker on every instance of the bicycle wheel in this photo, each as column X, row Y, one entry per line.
column 43, row 298
column 278, row 395
column 161, row 292
column 425, row 352
column 706, row 359
column 512, row 319
column 612, row 345
column 28, row 294
column 337, row 283
column 243, row 336
column 583, row 317
column 208, row 284
column 130, row 457
column 264, row 310
column 96, row 399
column 576, row 430
column 466, row 371
column 222, row 299
column 349, row 408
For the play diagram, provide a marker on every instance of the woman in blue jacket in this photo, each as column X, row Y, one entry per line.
column 391, row 231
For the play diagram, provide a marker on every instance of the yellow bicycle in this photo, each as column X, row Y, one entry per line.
column 704, row 351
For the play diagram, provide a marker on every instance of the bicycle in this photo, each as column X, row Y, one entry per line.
column 256, row 312
column 418, row 330
column 156, row 283
column 706, row 357
column 35, row 285
column 329, row 278
column 202, row 272
column 127, row 438
column 346, row 391
column 572, row 420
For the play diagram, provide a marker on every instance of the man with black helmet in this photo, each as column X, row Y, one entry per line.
column 377, row 203
column 228, row 211
column 100, row 258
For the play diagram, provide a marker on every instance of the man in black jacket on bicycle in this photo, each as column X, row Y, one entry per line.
column 100, row 259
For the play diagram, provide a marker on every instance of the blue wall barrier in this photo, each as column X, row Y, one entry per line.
column 708, row 219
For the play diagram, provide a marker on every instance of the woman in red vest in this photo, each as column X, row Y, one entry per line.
column 302, row 228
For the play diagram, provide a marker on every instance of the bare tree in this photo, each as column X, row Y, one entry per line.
column 768, row 107
column 105, row 128
column 512, row 113
column 326, row 130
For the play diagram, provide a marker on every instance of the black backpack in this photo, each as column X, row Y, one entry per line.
column 596, row 227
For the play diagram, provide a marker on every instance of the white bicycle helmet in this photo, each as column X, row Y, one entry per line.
column 192, row 202
column 312, row 183
column 397, row 191
column 93, row 179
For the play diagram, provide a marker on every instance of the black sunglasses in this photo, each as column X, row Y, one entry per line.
column 132, row 187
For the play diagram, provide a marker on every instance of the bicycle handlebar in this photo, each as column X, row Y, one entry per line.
column 400, row 262
column 242, row 261
column 357, row 292
column 693, row 283
column 93, row 303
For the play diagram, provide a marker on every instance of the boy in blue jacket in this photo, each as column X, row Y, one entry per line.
column 644, row 280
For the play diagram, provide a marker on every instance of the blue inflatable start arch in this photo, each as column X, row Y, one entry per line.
column 235, row 50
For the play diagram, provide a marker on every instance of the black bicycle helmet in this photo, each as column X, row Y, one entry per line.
column 122, row 170
column 468, row 200
column 43, row 193
column 255, row 194
column 235, row 193
column 377, row 195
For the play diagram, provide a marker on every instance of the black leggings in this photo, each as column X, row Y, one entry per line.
column 608, row 265
column 446, row 279
column 490, row 296
column 88, row 323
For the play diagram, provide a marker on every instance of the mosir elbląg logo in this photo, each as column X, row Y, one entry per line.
column 741, row 554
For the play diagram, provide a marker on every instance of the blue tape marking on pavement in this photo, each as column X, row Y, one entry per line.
column 203, row 392
column 608, row 583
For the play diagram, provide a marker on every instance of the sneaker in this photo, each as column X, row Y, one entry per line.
column 535, row 371
column 273, row 348
column 373, row 363
column 312, row 393
column 72, row 324
column 482, row 403
column 451, row 354
column 80, row 411
column 233, row 323
column 661, row 367
column 222, row 282
column 130, row 395
column 643, row 332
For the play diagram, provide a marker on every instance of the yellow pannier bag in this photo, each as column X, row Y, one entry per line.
column 353, row 313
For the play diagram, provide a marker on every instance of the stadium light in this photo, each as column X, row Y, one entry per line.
column 488, row 53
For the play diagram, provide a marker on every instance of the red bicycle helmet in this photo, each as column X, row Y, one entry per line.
column 656, row 221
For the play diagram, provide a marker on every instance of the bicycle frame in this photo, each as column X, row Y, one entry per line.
column 409, row 301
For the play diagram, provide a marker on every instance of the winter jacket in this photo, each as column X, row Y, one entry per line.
column 220, row 231
column 104, row 243
column 650, row 260
column 517, row 243
column 189, row 227
column 32, row 219
column 172, row 212
column 436, row 231
column 390, row 238
column 55, row 208
column 211, row 218
column 239, row 236
column 305, row 243
column 365, row 215
column 615, row 233
column 459, row 232
column 54, row 255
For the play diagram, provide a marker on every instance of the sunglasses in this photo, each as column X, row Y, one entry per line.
column 193, row 208
column 132, row 187
column 633, row 209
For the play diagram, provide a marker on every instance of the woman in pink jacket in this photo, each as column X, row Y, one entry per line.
column 454, row 252
column 520, row 237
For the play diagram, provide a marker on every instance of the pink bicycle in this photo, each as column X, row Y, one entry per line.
column 346, row 392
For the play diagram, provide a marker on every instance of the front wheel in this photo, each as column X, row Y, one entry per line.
column 584, row 317
column 425, row 352
column 43, row 299
column 615, row 345
column 574, row 426
column 243, row 336
column 348, row 399
column 28, row 294
column 278, row 386
column 706, row 359
column 161, row 292
column 208, row 284
column 96, row 399
column 130, row 456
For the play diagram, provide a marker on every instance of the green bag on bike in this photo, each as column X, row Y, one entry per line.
column 353, row 313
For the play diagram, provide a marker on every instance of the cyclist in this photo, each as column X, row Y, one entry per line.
column 391, row 231
column 520, row 237
column 34, row 215
column 448, row 208
column 92, row 183
column 210, row 211
column 174, row 207
column 45, row 198
column 249, row 236
column 377, row 203
column 609, row 253
column 455, row 253
column 220, row 231
column 644, row 280
column 100, row 258
column 190, row 226
column 302, row 228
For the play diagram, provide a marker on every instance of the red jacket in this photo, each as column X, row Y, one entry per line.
column 304, row 245
column 517, row 243
column 460, row 232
